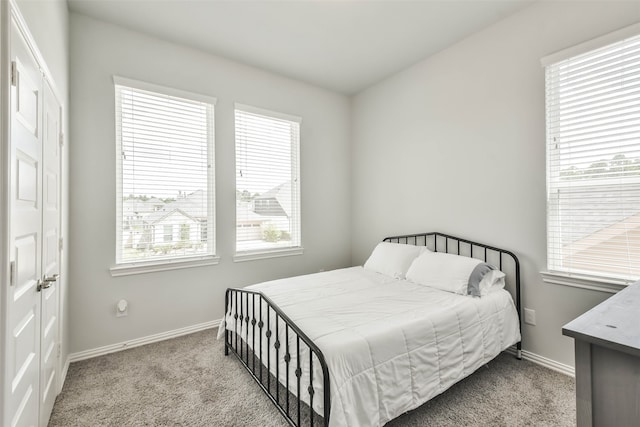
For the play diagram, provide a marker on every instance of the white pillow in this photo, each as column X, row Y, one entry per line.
column 491, row 282
column 393, row 259
column 447, row 272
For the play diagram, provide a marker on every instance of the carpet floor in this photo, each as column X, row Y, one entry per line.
column 187, row 381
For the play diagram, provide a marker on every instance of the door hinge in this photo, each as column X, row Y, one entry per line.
column 14, row 73
column 59, row 350
column 60, row 244
column 61, row 139
column 12, row 273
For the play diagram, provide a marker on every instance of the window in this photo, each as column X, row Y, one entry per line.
column 168, row 233
column 593, row 162
column 267, row 182
column 165, row 189
column 185, row 232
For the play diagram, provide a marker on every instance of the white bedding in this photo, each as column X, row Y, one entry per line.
column 390, row 345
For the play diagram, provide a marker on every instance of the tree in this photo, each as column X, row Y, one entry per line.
column 571, row 173
column 270, row 233
column 597, row 169
column 245, row 195
column 141, row 197
column 619, row 164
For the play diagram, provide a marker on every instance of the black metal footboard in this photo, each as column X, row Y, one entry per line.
column 267, row 342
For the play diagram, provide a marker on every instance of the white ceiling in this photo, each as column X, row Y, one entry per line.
column 340, row 45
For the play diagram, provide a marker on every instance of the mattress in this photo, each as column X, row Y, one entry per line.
column 390, row 345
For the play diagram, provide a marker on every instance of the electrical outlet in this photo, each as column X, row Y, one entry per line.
column 122, row 308
column 530, row 317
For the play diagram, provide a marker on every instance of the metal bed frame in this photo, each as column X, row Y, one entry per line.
column 240, row 305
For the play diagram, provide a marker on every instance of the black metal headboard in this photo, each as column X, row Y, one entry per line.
column 505, row 260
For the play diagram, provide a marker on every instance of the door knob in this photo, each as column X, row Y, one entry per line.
column 40, row 285
column 50, row 279
column 46, row 282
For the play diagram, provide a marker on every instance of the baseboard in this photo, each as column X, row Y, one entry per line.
column 100, row 351
column 63, row 374
column 545, row 361
column 549, row 363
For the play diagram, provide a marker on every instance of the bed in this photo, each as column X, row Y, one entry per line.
column 362, row 345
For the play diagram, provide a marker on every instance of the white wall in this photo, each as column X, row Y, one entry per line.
column 48, row 22
column 456, row 144
column 169, row 300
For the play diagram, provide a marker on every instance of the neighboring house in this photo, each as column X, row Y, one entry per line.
column 193, row 204
column 270, row 208
column 157, row 225
column 248, row 223
column 274, row 206
column 600, row 233
column 275, row 202
column 134, row 210
column 582, row 253
column 171, row 227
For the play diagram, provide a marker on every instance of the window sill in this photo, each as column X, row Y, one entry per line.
column 275, row 253
column 601, row 284
column 154, row 266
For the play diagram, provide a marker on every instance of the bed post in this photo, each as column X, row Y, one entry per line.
column 519, row 351
column 518, row 306
column 224, row 317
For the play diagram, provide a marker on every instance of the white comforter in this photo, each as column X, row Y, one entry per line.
column 390, row 345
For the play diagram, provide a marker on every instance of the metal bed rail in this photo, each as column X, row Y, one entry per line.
column 488, row 254
column 257, row 331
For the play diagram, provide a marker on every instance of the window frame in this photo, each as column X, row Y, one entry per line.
column 603, row 282
column 122, row 268
column 255, row 254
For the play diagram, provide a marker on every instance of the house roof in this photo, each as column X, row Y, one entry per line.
column 619, row 241
column 140, row 206
column 624, row 227
column 281, row 193
column 244, row 214
column 272, row 193
column 158, row 216
column 193, row 204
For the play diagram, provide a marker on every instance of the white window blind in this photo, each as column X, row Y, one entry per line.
column 267, row 180
column 165, row 191
column 593, row 162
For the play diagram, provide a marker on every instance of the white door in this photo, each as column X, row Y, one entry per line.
column 33, row 306
column 23, row 305
column 50, row 362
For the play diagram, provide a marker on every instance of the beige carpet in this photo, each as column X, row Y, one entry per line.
column 187, row 381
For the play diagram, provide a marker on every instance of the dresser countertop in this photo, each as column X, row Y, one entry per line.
column 615, row 323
